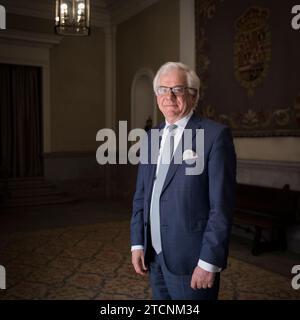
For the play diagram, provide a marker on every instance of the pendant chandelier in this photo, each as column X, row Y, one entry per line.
column 72, row 17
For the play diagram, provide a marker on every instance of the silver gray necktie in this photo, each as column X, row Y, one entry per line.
column 165, row 159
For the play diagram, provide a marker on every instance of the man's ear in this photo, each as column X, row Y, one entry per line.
column 156, row 99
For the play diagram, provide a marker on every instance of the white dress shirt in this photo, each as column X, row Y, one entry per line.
column 178, row 131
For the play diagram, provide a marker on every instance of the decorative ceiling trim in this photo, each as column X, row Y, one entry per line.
column 40, row 9
column 99, row 14
column 29, row 38
column 123, row 10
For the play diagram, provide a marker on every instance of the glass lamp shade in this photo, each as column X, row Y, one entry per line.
column 72, row 17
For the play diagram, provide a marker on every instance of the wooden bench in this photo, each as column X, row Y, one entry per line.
column 266, row 208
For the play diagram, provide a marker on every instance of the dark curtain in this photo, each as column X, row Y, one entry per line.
column 20, row 121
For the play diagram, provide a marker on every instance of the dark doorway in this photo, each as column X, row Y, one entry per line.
column 20, row 121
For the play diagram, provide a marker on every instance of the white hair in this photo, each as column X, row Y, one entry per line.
column 192, row 79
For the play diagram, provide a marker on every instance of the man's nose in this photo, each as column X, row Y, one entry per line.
column 171, row 94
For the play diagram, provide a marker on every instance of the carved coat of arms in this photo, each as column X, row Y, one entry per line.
column 252, row 48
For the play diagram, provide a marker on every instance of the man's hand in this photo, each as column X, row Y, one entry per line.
column 137, row 260
column 202, row 279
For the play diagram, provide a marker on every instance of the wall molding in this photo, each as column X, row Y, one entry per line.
column 133, row 107
column 74, row 165
column 69, row 154
column 269, row 173
column 32, row 39
column 258, row 172
column 268, row 164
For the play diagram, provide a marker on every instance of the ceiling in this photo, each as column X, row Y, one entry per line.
column 103, row 12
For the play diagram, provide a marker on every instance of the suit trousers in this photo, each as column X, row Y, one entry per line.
column 168, row 286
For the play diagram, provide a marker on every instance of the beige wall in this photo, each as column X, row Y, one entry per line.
column 30, row 24
column 273, row 148
column 77, row 92
column 77, row 79
column 147, row 40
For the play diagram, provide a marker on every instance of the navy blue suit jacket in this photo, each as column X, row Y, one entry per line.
column 195, row 210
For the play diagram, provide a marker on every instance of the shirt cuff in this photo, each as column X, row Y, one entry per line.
column 208, row 267
column 138, row 247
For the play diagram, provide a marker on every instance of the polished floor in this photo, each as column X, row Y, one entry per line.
column 81, row 251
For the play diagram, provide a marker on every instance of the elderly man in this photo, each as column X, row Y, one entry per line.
column 181, row 223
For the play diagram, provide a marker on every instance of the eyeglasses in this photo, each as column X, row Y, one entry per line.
column 177, row 91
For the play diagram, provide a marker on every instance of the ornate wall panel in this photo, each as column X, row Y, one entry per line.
column 247, row 56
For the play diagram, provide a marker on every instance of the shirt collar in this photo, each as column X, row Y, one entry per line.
column 181, row 122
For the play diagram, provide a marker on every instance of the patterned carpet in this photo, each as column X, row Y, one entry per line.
column 93, row 262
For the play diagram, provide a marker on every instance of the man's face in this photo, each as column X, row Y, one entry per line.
column 174, row 107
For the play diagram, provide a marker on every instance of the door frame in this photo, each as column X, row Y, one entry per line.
column 142, row 72
column 32, row 49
